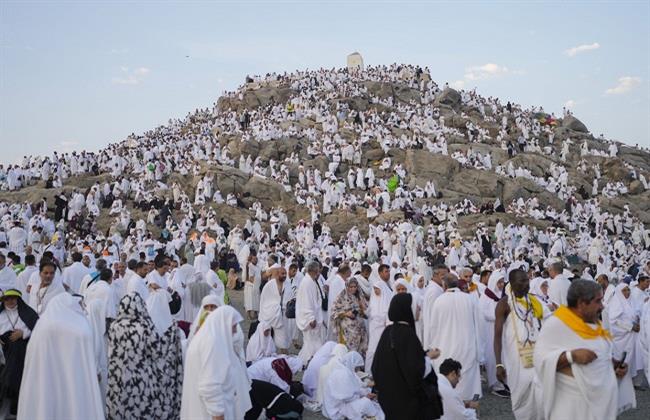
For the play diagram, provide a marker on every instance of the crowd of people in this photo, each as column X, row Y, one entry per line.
column 403, row 319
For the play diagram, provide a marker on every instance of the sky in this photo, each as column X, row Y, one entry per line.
column 81, row 75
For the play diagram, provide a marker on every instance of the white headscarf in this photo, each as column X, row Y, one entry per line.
column 310, row 378
column 207, row 300
column 259, row 345
column 337, row 353
column 158, row 307
column 492, row 282
column 619, row 307
column 60, row 365
column 220, row 360
column 536, row 288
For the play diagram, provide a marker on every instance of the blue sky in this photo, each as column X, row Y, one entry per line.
column 81, row 75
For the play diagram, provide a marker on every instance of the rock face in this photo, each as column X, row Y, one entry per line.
column 449, row 97
column 572, row 123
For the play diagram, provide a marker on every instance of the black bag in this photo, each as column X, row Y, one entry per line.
column 324, row 303
column 290, row 312
column 175, row 304
column 323, row 298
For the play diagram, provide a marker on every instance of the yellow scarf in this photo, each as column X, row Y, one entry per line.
column 538, row 311
column 579, row 326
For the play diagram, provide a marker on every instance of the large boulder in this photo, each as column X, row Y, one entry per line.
column 229, row 180
column 636, row 187
column 426, row 165
column 373, row 155
column 449, row 97
column 267, row 192
column 615, row 170
column 572, row 123
column 539, row 165
column 255, row 98
column 341, row 221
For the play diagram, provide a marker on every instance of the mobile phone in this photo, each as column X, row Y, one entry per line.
column 476, row 397
column 622, row 361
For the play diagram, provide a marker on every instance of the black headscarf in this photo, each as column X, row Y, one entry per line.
column 400, row 309
column 25, row 312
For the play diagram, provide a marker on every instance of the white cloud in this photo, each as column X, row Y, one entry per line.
column 67, row 146
column 625, row 84
column 570, row 103
column 141, row 71
column 572, row 52
column 458, row 84
column 131, row 77
column 119, row 51
column 483, row 72
column 486, row 71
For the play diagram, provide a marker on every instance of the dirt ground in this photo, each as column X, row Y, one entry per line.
column 492, row 407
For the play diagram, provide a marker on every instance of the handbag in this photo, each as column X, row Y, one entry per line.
column 175, row 304
column 290, row 311
column 525, row 350
column 324, row 304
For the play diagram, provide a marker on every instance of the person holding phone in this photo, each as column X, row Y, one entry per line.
column 347, row 318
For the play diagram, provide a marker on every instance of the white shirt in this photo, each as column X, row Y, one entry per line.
column 452, row 405
column 558, row 288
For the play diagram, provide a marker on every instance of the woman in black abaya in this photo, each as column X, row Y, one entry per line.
column 398, row 368
column 17, row 320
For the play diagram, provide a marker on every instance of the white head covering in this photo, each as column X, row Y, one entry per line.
column 493, row 280
column 61, row 356
column 207, row 300
column 379, row 304
column 215, row 347
column 259, row 345
column 619, row 307
column 536, row 287
column 310, row 378
column 352, row 360
column 404, row 283
column 337, row 353
column 158, row 307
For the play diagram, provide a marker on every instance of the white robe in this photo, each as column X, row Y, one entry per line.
column 40, row 298
column 644, row 338
column 377, row 317
column 252, row 288
column 158, row 308
column 308, row 309
column 592, row 392
column 259, row 345
column 215, row 380
column 310, row 377
column 622, row 317
column 454, row 321
column 8, row 278
column 558, row 289
column 60, row 366
column 344, row 395
column 433, row 292
column 525, row 391
column 452, row 404
column 73, row 274
column 272, row 307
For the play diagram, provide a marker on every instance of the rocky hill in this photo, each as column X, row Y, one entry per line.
column 393, row 102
